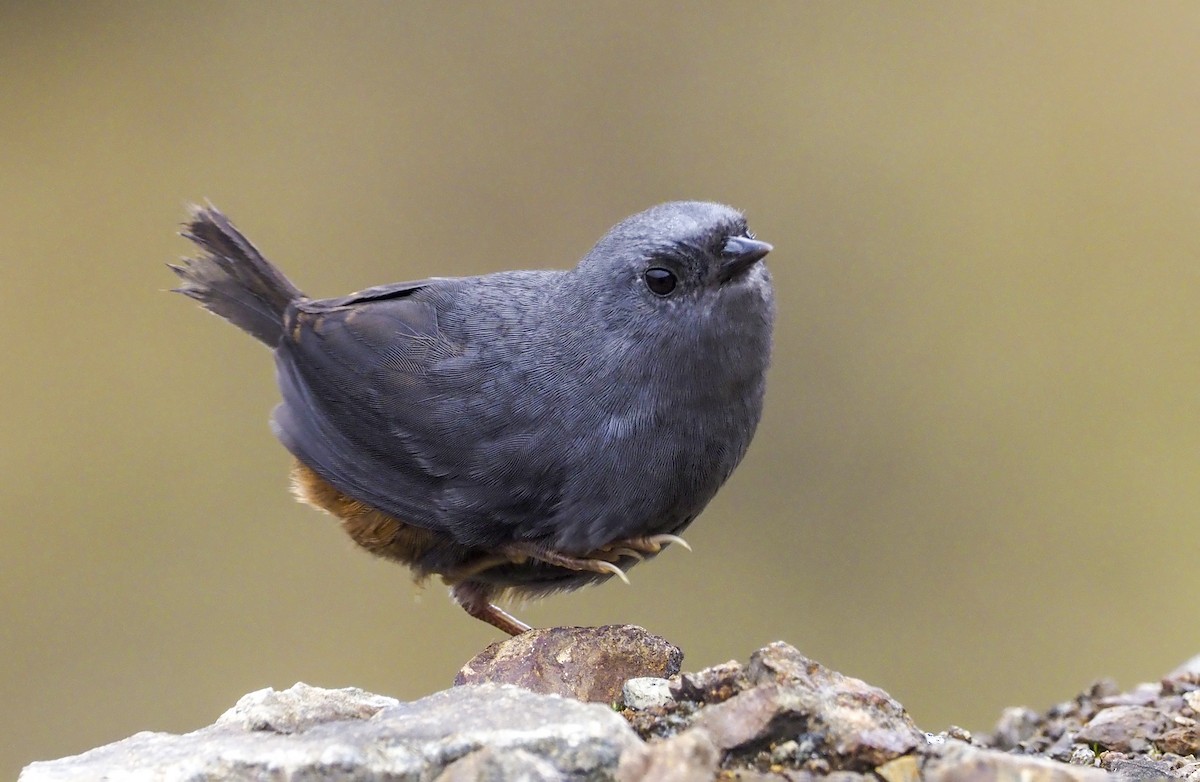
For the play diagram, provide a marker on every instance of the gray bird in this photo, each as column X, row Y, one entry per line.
column 523, row 432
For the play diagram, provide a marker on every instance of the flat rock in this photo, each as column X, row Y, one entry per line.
column 307, row 733
column 780, row 717
column 585, row 663
column 301, row 707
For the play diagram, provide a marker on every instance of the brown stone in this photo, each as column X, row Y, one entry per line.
column 902, row 769
column 1181, row 740
column 711, row 685
column 585, row 663
column 1124, row 728
column 754, row 716
column 860, row 726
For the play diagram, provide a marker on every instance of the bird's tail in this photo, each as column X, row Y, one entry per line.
column 231, row 279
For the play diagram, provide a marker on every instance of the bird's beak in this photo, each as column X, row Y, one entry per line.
column 739, row 254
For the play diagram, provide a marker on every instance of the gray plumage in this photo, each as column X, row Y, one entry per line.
column 562, row 410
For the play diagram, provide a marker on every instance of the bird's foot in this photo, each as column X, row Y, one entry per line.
column 639, row 547
column 600, row 561
column 596, row 564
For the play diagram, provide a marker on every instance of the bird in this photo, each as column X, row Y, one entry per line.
column 523, row 432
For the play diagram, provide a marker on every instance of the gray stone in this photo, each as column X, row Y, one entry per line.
column 281, row 736
column 492, row 765
column 1082, row 755
column 689, row 756
column 1188, row 670
column 1016, row 725
column 301, row 707
column 1129, row 769
column 647, row 692
column 955, row 761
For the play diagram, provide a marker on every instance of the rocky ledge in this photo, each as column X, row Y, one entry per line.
column 610, row 704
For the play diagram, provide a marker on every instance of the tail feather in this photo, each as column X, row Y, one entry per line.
column 231, row 278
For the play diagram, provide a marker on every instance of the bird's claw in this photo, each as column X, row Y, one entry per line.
column 664, row 539
column 649, row 544
column 607, row 567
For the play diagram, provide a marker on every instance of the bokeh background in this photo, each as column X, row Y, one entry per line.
column 976, row 484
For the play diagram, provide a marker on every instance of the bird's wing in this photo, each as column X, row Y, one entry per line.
column 394, row 412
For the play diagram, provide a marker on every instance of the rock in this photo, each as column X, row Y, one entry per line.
column 1181, row 740
column 1155, row 721
column 404, row 741
column 902, row 769
column 855, row 725
column 1082, row 756
column 1188, row 671
column 1124, row 728
column 785, row 711
column 955, row 761
column 301, row 707
column 955, row 732
column 647, row 692
column 690, row 756
column 585, row 663
column 1141, row 695
column 491, row 765
column 710, row 685
column 1015, row 726
column 755, row 716
column 1126, row 768
column 782, row 717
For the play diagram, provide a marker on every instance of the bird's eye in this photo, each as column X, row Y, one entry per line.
column 660, row 281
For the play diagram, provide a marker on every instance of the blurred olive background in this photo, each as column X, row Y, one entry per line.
column 976, row 480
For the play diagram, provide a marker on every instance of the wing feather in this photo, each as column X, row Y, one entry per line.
column 380, row 402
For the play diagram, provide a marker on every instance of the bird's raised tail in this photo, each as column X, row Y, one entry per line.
column 232, row 279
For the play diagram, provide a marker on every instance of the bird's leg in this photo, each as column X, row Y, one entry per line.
column 474, row 600
column 599, row 561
